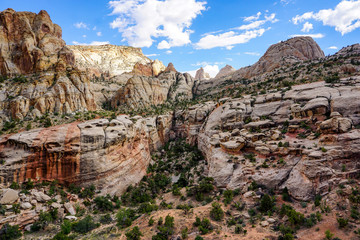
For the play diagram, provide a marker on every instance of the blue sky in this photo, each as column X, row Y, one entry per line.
column 201, row 33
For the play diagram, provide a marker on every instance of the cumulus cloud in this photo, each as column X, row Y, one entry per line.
column 238, row 35
column 344, row 17
column 168, row 52
column 81, row 25
column 142, row 21
column 99, row 34
column 228, row 39
column 307, row 27
column 252, row 18
column 333, row 48
column 93, row 43
column 316, row 35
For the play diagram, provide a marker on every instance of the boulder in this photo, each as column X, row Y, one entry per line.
column 9, row 196
column 69, row 208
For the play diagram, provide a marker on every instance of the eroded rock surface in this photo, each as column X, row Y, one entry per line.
column 110, row 154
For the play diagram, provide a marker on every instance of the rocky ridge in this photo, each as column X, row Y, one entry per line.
column 107, row 60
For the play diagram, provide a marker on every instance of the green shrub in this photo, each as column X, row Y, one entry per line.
column 85, row 225
column 199, row 238
column 285, row 195
column 228, row 196
column 8, row 232
column 88, row 192
column 103, row 204
column 106, row 219
column 328, row 235
column 147, row 208
column 151, row 221
column 66, row 227
column 134, row 234
column 266, row 203
column 166, row 230
column 204, row 225
column 342, row 222
column 125, row 217
column 216, row 212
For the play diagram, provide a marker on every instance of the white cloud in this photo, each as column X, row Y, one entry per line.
column 94, row 43
column 333, row 48
column 84, row 36
column 81, row 25
column 252, row 18
column 316, row 35
column 252, row 53
column 345, row 17
column 168, row 52
column 99, row 34
column 307, row 27
column 203, row 64
column 94, row 28
column 152, row 55
column 256, row 24
column 142, row 21
column 285, row 2
column 231, row 38
column 228, row 39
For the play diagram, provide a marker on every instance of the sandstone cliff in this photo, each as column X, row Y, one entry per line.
column 30, row 43
column 254, row 126
column 40, row 69
column 108, row 60
column 110, row 154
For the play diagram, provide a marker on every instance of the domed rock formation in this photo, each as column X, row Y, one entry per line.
column 225, row 71
column 201, row 74
column 108, row 59
column 283, row 53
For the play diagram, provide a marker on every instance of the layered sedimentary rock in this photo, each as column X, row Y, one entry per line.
column 225, row 71
column 151, row 69
column 142, row 91
column 31, row 45
column 239, row 127
column 108, row 60
column 110, row 154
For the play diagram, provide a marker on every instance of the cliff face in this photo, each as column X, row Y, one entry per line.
column 112, row 155
column 231, row 130
column 108, row 60
column 30, row 43
column 143, row 91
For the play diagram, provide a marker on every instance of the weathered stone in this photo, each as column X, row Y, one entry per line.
column 9, row 196
column 69, row 208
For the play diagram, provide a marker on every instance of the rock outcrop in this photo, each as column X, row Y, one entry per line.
column 282, row 54
column 110, row 154
column 108, row 60
column 30, row 42
column 142, row 91
column 31, row 45
column 240, row 134
column 151, row 69
column 225, row 71
column 201, row 74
